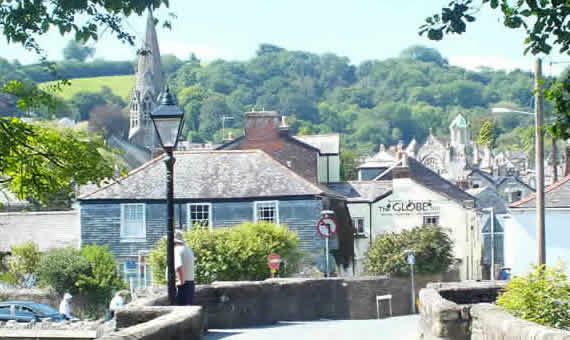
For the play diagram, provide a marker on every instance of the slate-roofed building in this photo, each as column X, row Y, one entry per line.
column 492, row 227
column 521, row 245
column 215, row 189
column 315, row 157
column 408, row 194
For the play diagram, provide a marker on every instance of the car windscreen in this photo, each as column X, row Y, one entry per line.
column 43, row 309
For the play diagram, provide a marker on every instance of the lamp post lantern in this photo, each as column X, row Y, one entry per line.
column 167, row 119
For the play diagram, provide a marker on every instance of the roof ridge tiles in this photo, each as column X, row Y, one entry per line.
column 548, row 189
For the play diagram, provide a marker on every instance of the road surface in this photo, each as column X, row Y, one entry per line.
column 396, row 328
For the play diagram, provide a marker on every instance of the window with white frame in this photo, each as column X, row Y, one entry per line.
column 199, row 214
column 266, row 211
column 431, row 220
column 133, row 221
column 358, row 223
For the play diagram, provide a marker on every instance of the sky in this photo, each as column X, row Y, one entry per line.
column 360, row 30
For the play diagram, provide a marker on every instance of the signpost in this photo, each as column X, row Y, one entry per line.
column 273, row 261
column 411, row 261
column 327, row 227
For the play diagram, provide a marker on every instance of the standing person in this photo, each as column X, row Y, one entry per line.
column 117, row 302
column 184, row 268
column 64, row 307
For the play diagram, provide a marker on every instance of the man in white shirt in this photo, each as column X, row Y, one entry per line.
column 64, row 307
column 184, row 268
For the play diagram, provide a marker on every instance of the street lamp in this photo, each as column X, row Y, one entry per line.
column 167, row 119
column 492, row 270
column 538, row 122
column 224, row 118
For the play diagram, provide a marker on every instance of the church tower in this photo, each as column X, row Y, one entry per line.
column 149, row 83
column 459, row 132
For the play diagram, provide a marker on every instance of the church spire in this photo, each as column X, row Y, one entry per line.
column 149, row 75
column 149, row 82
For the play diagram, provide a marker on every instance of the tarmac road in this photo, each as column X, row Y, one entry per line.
column 396, row 328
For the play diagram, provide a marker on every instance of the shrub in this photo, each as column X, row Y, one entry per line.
column 237, row 253
column 431, row 245
column 102, row 279
column 542, row 296
column 21, row 265
column 61, row 269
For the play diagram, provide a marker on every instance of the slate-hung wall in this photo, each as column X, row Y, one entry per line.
column 101, row 222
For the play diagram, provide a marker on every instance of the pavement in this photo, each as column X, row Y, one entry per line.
column 395, row 328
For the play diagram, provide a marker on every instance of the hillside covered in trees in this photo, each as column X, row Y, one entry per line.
column 371, row 103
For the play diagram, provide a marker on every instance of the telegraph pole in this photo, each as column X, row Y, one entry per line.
column 539, row 122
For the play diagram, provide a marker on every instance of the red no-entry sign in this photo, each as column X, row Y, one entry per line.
column 327, row 227
column 273, row 261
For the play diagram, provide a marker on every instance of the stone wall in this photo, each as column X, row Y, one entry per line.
column 461, row 311
column 243, row 304
column 158, row 323
column 491, row 322
column 445, row 307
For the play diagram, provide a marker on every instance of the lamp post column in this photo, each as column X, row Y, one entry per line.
column 169, row 160
column 539, row 122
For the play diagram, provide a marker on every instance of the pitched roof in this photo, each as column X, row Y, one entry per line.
column 363, row 191
column 483, row 174
column 487, row 197
column 423, row 175
column 48, row 229
column 327, row 144
column 211, row 175
column 502, row 180
column 556, row 195
column 10, row 202
column 382, row 159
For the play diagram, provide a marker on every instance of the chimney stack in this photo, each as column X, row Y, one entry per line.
column 262, row 125
column 402, row 170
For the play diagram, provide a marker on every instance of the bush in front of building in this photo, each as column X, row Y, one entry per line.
column 61, row 268
column 233, row 254
column 541, row 296
column 102, row 279
column 21, row 265
column 432, row 247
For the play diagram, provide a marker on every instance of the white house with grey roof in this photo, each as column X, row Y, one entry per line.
column 521, row 245
column 406, row 195
column 214, row 189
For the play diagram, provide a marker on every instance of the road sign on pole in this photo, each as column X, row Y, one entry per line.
column 327, row 226
column 411, row 258
column 411, row 261
column 273, row 261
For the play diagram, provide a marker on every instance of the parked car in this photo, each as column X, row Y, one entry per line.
column 26, row 311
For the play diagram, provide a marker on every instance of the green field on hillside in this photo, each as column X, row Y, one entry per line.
column 120, row 85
